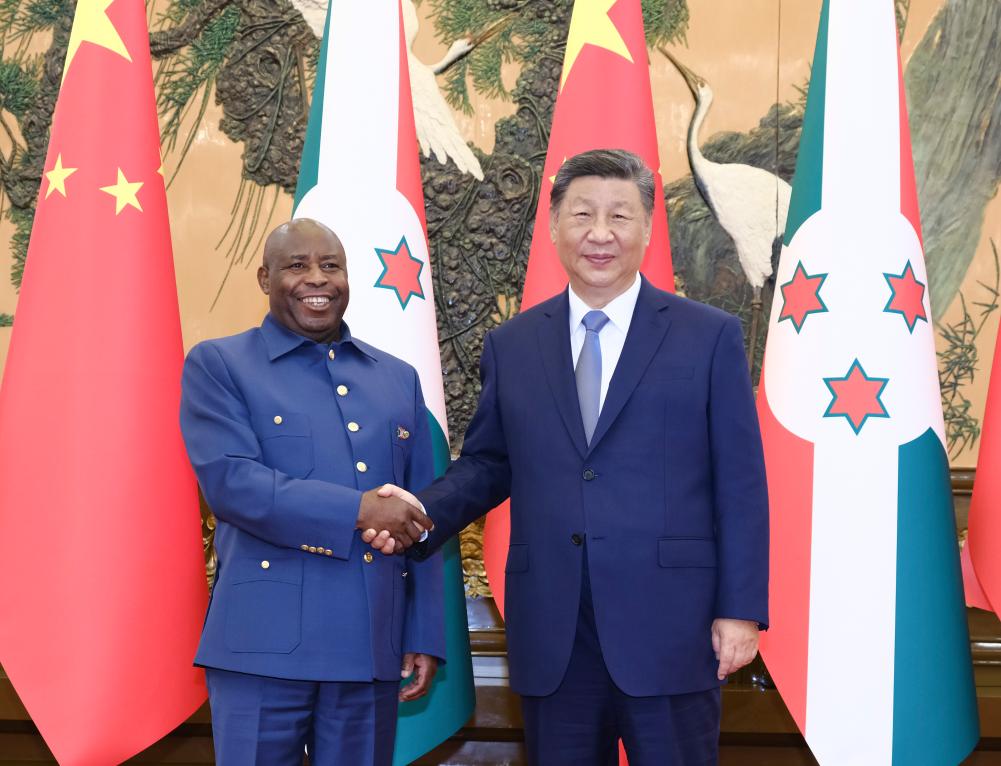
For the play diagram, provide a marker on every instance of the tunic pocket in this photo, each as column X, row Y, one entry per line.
column 286, row 443
column 264, row 606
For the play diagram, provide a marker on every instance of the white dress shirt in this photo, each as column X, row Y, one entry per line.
column 612, row 336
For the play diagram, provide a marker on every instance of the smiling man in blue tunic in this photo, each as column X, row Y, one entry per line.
column 291, row 427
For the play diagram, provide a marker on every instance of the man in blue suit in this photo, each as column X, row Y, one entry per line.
column 620, row 420
column 290, row 428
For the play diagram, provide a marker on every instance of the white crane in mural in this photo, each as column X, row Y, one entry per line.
column 750, row 203
column 433, row 120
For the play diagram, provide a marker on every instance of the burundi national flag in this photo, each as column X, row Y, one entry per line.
column 865, row 576
column 360, row 175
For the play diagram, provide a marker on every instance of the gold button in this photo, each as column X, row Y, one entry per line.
column 352, row 426
column 328, row 552
column 265, row 564
column 278, row 420
column 304, row 547
column 312, row 549
column 342, row 390
column 360, row 465
column 331, row 354
column 367, row 557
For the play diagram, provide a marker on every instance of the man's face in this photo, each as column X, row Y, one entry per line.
column 306, row 280
column 601, row 231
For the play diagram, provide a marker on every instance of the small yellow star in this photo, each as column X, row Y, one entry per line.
column 57, row 177
column 124, row 193
column 92, row 25
column 160, row 169
column 552, row 178
column 590, row 25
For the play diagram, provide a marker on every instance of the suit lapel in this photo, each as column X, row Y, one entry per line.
column 554, row 345
column 646, row 332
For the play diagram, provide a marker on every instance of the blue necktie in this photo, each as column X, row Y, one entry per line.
column 588, row 371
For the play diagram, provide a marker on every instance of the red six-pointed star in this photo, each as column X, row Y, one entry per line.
column 907, row 297
column 856, row 397
column 401, row 272
column 801, row 296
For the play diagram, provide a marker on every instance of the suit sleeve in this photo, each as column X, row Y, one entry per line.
column 238, row 487
column 424, row 626
column 481, row 477
column 740, row 490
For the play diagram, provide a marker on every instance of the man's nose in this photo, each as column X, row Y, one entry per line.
column 316, row 275
column 600, row 230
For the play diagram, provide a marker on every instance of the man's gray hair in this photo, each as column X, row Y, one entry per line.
column 605, row 163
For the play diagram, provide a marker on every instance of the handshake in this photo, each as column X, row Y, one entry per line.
column 391, row 519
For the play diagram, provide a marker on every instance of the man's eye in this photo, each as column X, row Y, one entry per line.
column 296, row 266
column 582, row 215
column 331, row 267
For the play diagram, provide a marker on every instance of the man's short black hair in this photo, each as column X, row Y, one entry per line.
column 605, row 163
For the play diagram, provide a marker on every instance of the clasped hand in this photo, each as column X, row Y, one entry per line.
column 391, row 519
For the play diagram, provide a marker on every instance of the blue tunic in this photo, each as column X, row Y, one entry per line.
column 285, row 435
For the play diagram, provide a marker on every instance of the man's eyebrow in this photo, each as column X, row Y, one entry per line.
column 304, row 256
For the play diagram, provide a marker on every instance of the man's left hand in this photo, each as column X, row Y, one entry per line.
column 421, row 668
column 735, row 643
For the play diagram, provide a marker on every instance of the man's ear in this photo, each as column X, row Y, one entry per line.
column 649, row 230
column 554, row 217
column 264, row 280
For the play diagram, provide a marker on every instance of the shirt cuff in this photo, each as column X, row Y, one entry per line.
column 424, row 536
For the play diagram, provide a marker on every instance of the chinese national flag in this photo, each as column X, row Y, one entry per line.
column 603, row 102
column 982, row 553
column 100, row 544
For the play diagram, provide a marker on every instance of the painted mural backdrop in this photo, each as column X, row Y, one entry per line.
column 729, row 78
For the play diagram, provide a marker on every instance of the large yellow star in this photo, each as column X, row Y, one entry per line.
column 57, row 177
column 590, row 24
column 124, row 193
column 92, row 25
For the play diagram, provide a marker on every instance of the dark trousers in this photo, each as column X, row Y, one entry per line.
column 262, row 721
column 581, row 722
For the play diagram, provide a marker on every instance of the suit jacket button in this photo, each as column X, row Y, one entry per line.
column 588, row 474
column 265, row 564
column 367, row 557
column 576, row 539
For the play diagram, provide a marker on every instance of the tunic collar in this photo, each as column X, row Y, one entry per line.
column 280, row 340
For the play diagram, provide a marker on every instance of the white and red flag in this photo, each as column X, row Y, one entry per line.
column 865, row 577
column 360, row 174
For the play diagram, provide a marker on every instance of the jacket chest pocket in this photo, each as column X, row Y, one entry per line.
column 286, row 443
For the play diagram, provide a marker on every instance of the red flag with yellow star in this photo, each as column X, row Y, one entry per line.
column 100, row 542
column 604, row 102
column 981, row 562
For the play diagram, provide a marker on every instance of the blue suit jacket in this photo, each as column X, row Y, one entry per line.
column 670, row 495
column 269, row 422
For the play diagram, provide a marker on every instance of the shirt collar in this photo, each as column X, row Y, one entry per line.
column 619, row 310
column 279, row 340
